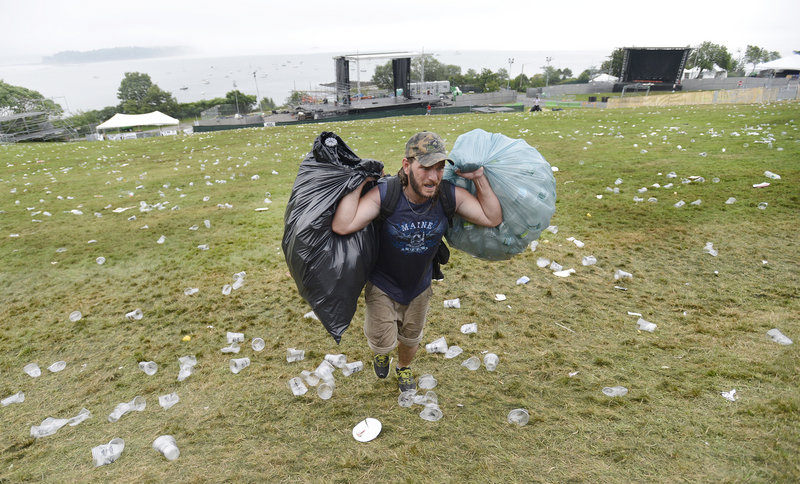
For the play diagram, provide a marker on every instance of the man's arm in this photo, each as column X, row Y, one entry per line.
column 482, row 210
column 355, row 212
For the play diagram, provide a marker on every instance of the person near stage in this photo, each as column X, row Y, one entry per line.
column 398, row 292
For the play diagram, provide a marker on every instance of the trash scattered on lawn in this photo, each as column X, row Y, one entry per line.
column 499, row 297
column 437, row 346
column 775, row 335
column 239, row 364
column 730, row 201
column 136, row 314
column 258, row 344
column 33, row 370
column 352, row 367
column 427, row 382
column 565, row 273
column 107, row 453
column 367, row 429
column 18, row 397
column 57, row 366
column 490, row 361
column 762, row 206
column 149, row 367
column 589, row 260
column 620, row 274
column 731, row 395
column 774, row 176
column 469, row 328
column 293, row 355
column 452, row 303
column 167, row 446
column 310, row 315
column 615, row 391
column 761, row 185
column 136, row 405
column 297, row 387
column 431, row 412
column 75, row 316
column 709, row 249
column 187, row 364
column 523, row 280
column 518, row 416
column 644, row 325
column 168, row 400
column 472, row 363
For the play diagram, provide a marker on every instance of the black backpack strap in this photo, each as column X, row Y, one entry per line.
column 389, row 201
column 447, row 197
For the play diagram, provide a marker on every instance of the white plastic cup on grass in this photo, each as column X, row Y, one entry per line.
column 472, row 363
column 258, row 344
column 75, row 316
column 32, row 369
column 136, row 314
column 518, row 416
column 438, row 345
column 107, row 453
column 490, row 361
column 352, row 367
column 297, row 387
column 427, row 381
column 239, row 364
column 149, row 367
column 167, row 446
column 325, row 390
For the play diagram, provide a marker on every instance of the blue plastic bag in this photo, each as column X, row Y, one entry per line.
column 523, row 182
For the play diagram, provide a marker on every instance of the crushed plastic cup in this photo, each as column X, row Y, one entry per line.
column 226, row 289
column 775, row 335
column 620, row 274
column 437, row 346
column 679, row 204
column 427, row 382
column 453, row 351
column 234, row 337
column 645, row 325
column 100, row 260
column 771, row 175
column 325, row 390
column 57, row 366
column 730, row 396
column 352, row 367
column 84, row 414
column 237, row 284
column 136, row 314
column 406, row 398
column 239, row 364
column 232, row 348
column 258, row 344
column 615, row 391
column 469, row 328
column 542, row 262
column 297, row 387
column 472, row 363
column 191, row 290
column 18, row 397
column 431, row 412
column 49, row 426
column 763, row 205
column 523, row 280
column 709, row 249
column 555, row 266
column 207, row 223
column 149, row 367
column 730, row 201
column 325, row 371
column 293, row 354
column 167, row 446
column 309, row 377
column 336, row 360
column 32, row 369
column 75, row 316
column 429, row 397
column 490, row 361
column 452, row 303
column 161, row 240
column 168, row 400
column 107, row 453
column 518, row 416
column 136, row 405
column 589, row 260
column 186, row 364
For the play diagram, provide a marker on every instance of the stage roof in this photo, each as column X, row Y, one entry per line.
column 790, row 63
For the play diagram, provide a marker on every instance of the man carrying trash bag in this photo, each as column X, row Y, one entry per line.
column 398, row 291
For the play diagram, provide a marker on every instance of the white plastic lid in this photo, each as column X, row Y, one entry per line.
column 367, row 429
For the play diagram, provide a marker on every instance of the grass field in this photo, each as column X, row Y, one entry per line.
column 560, row 340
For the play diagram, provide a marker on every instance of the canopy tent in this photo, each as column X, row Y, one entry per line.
column 716, row 72
column 789, row 63
column 156, row 118
column 604, row 78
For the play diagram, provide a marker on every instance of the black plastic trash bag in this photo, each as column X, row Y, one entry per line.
column 523, row 182
column 330, row 270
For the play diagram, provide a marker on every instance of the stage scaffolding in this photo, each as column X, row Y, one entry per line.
column 31, row 126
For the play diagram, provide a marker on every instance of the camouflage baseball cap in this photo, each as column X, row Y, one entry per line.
column 427, row 148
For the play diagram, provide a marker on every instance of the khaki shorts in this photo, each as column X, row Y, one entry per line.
column 387, row 322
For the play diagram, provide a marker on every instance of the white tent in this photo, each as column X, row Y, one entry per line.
column 156, row 118
column 715, row 72
column 790, row 63
column 604, row 78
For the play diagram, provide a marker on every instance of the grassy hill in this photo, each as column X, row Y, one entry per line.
column 560, row 341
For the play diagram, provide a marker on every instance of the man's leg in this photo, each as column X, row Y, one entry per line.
column 405, row 354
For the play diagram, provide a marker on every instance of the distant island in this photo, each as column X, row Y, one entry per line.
column 112, row 54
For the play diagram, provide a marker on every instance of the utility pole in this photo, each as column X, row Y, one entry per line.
column 236, row 96
column 510, row 61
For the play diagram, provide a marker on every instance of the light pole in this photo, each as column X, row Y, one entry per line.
column 510, row 61
column 547, row 72
column 236, row 97
column 257, row 94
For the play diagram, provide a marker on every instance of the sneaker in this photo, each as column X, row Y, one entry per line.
column 381, row 365
column 405, row 379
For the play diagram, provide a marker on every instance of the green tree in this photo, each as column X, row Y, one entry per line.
column 709, row 54
column 242, row 101
column 384, row 77
column 296, row 97
column 613, row 65
column 267, row 104
column 755, row 55
column 585, row 76
column 138, row 95
column 520, row 83
column 16, row 99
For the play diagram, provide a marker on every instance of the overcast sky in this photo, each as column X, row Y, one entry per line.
column 34, row 28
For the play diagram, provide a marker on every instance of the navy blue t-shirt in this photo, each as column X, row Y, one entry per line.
column 409, row 239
